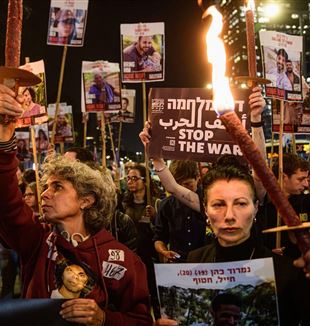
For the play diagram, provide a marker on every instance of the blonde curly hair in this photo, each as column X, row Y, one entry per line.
column 86, row 181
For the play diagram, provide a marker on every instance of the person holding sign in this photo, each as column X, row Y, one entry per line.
column 77, row 204
column 231, row 204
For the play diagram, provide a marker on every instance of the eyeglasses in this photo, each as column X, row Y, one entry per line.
column 68, row 21
column 134, row 178
column 28, row 194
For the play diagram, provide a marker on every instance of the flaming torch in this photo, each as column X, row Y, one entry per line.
column 223, row 103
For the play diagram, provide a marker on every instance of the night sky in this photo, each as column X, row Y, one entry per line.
column 185, row 65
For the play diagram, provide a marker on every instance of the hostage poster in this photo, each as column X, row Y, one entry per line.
column 143, row 55
column 188, row 293
column 282, row 64
column 187, row 127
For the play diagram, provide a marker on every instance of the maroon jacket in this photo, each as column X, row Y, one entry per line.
column 118, row 276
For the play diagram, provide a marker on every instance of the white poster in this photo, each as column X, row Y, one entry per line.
column 282, row 64
column 101, row 86
column 67, row 22
column 34, row 97
column 187, row 291
column 143, row 52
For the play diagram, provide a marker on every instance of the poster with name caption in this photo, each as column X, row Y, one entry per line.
column 67, row 22
column 34, row 105
column 187, row 127
column 186, row 291
column 296, row 114
column 128, row 110
column 143, row 52
column 101, row 87
column 64, row 132
column 282, row 62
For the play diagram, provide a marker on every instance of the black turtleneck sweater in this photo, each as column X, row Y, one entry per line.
column 293, row 289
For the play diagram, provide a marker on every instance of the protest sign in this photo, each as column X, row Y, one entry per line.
column 143, row 52
column 282, row 55
column 187, row 127
column 186, row 291
column 67, row 22
column 64, row 124
column 34, row 97
column 101, row 87
column 127, row 113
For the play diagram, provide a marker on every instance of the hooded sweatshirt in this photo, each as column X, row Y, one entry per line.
column 116, row 277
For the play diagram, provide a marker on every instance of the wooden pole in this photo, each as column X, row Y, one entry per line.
column 104, row 164
column 85, row 121
column 120, row 137
column 147, row 180
column 112, row 142
column 62, row 69
column 36, row 169
column 278, row 235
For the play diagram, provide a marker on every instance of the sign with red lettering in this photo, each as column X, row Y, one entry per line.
column 188, row 292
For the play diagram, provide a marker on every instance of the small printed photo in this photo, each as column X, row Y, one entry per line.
column 64, row 132
column 24, row 154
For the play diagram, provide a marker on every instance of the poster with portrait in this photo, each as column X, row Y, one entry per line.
column 188, row 128
column 188, row 292
column 143, row 52
column 34, row 97
column 24, row 153
column 296, row 114
column 282, row 62
column 101, row 87
column 127, row 112
column 64, row 132
column 67, row 22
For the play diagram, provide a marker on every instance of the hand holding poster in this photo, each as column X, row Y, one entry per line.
column 67, row 22
column 282, row 64
column 187, row 292
column 186, row 125
column 142, row 52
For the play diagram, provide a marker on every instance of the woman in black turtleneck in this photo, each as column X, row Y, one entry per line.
column 231, row 206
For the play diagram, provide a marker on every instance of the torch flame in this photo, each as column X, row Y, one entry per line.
column 250, row 5
column 223, row 100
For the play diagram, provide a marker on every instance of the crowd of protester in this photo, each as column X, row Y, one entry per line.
column 113, row 230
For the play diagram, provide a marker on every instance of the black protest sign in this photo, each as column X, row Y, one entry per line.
column 185, row 125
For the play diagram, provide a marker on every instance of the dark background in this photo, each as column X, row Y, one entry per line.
column 185, row 65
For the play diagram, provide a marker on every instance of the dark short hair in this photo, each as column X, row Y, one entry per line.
column 126, row 99
column 225, row 298
column 291, row 163
column 29, row 176
column 233, row 160
column 82, row 154
column 227, row 173
column 183, row 169
column 31, row 92
column 283, row 53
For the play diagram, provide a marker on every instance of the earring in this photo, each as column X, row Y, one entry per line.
column 254, row 220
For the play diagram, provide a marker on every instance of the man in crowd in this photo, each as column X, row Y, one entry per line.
column 293, row 78
column 282, row 80
column 177, row 224
column 295, row 182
